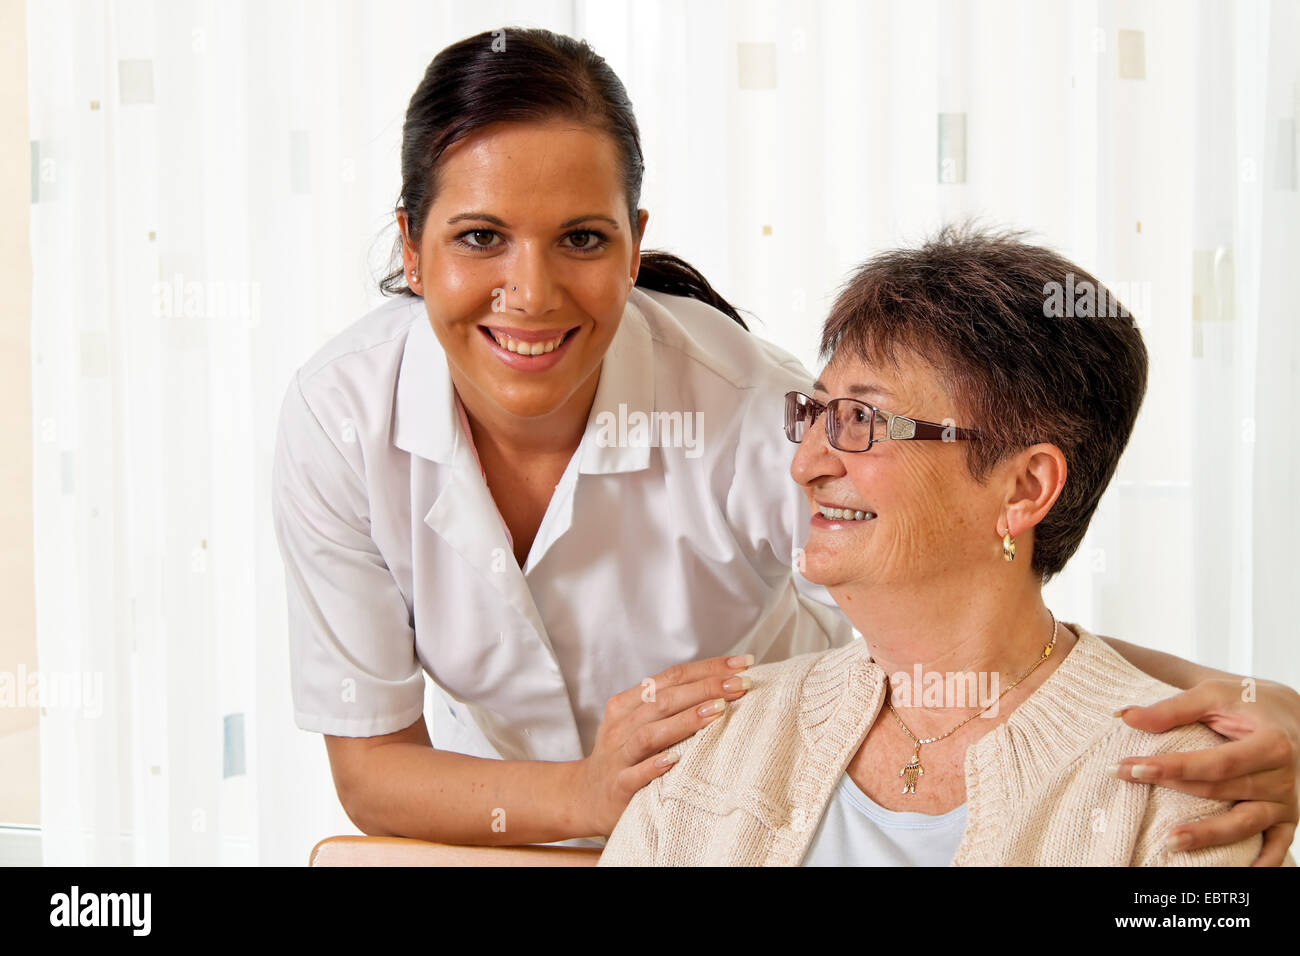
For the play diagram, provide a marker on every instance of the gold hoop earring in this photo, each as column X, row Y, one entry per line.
column 1008, row 545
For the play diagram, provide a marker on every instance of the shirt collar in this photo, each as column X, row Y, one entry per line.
column 424, row 414
column 626, row 387
column 425, row 422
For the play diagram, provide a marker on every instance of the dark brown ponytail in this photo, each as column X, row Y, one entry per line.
column 661, row 272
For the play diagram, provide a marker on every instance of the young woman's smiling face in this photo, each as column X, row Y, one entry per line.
column 527, row 248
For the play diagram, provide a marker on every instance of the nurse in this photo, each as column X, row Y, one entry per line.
column 550, row 473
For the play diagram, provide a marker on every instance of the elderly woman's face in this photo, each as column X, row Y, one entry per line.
column 931, row 518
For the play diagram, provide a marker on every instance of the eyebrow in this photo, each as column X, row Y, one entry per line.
column 855, row 390
column 496, row 221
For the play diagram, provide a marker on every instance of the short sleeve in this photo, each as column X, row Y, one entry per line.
column 353, row 667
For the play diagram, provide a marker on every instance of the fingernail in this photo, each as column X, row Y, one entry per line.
column 744, row 660
column 1122, row 711
column 1144, row 771
column 737, row 683
column 664, row 760
column 1178, row 841
column 712, row 707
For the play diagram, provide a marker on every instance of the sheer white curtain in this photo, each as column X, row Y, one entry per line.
column 214, row 181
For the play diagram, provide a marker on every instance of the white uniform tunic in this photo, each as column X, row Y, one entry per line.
column 661, row 544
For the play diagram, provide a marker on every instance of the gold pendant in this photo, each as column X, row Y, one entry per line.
column 912, row 772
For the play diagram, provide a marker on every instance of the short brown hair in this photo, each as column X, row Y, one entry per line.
column 978, row 306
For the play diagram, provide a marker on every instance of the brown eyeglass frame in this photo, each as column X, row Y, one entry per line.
column 899, row 427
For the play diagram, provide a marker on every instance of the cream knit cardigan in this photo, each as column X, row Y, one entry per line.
column 750, row 788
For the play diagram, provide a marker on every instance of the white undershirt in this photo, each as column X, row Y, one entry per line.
column 857, row 831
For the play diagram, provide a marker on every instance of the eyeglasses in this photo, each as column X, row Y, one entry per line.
column 855, row 426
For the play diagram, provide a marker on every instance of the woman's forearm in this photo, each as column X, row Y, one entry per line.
column 1166, row 667
column 410, row 790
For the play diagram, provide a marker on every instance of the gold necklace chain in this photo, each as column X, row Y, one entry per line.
column 913, row 770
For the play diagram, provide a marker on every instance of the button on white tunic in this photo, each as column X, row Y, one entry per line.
column 661, row 545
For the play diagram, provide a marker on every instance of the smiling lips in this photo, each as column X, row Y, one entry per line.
column 528, row 344
column 844, row 514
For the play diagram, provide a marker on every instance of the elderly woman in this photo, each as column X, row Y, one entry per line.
column 952, row 454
